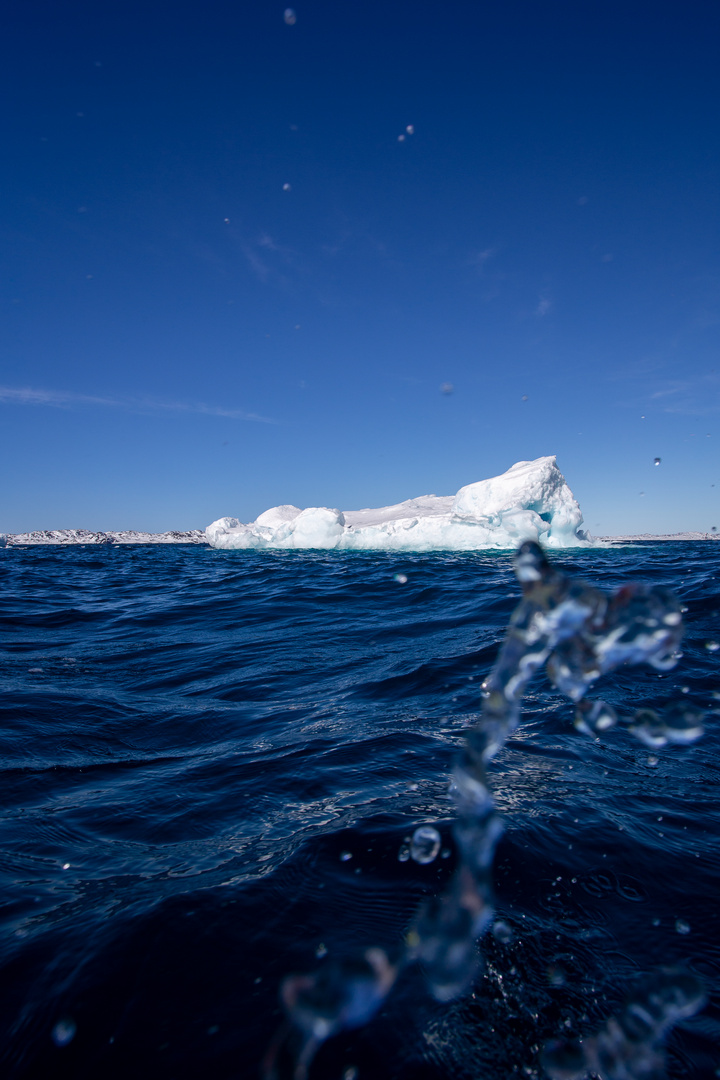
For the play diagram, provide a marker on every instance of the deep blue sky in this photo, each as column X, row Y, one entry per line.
column 184, row 338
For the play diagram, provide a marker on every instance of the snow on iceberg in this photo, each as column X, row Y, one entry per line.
column 531, row 501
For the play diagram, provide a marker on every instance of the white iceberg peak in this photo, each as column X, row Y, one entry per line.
column 531, row 501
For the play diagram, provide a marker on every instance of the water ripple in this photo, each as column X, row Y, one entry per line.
column 191, row 741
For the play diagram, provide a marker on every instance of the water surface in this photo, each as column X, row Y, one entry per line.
column 194, row 742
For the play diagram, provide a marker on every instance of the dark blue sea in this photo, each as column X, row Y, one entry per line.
column 211, row 760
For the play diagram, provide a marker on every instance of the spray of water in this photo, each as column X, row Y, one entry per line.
column 629, row 1045
column 579, row 633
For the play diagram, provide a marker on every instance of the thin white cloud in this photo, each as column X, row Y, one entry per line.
column 266, row 241
column 480, row 258
column 685, row 397
column 258, row 267
column 64, row 399
column 670, row 391
column 209, row 410
column 25, row 395
column 269, row 260
column 697, row 397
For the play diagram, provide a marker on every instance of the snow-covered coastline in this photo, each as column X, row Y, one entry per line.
column 86, row 536
column 651, row 538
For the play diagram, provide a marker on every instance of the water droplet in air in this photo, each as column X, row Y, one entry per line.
column 682, row 927
column 712, row 646
column 524, row 397
column 410, row 129
column 66, row 866
column 447, row 388
column 401, row 138
column 404, row 853
column 345, row 855
column 287, row 187
column 401, row 579
column 321, row 951
column 425, row 844
column 289, row 16
column 502, row 932
column 64, row 1031
column 657, row 461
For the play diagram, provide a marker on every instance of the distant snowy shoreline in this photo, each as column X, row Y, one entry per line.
column 66, row 537
column 652, row 537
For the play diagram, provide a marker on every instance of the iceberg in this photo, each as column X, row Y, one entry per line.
column 531, row 501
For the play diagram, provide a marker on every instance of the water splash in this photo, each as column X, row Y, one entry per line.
column 342, row 995
column 629, row 1045
column 579, row 633
column 425, row 846
column 64, row 1031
